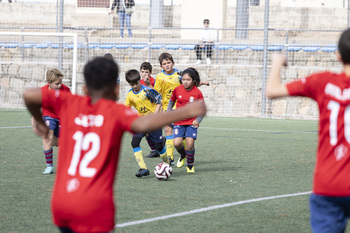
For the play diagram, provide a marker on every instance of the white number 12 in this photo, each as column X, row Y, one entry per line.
column 82, row 143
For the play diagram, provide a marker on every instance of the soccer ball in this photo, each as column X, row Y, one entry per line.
column 163, row 171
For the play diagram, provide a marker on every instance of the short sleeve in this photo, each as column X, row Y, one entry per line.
column 128, row 116
column 307, row 86
column 54, row 99
column 173, row 96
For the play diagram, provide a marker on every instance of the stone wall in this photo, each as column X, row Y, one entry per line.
column 233, row 91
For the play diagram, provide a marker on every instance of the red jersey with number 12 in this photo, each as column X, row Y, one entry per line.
column 88, row 158
column 183, row 97
column 332, row 93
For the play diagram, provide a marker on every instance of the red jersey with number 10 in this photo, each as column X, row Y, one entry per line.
column 88, row 158
column 182, row 97
column 332, row 93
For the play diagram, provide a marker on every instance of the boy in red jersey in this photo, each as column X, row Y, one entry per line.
column 330, row 200
column 93, row 126
column 187, row 128
column 148, row 81
column 146, row 78
column 54, row 81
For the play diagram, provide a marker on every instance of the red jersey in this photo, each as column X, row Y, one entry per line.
column 182, row 97
column 151, row 80
column 332, row 93
column 82, row 196
column 48, row 111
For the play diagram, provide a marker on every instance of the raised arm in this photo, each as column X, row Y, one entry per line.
column 274, row 87
column 33, row 100
column 156, row 121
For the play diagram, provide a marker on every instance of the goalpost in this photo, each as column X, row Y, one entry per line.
column 26, row 56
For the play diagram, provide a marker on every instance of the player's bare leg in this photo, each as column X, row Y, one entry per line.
column 48, row 152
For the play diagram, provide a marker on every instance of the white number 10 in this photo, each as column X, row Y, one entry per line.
column 333, row 120
column 83, row 143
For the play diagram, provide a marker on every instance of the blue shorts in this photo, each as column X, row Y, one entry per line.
column 329, row 214
column 155, row 136
column 53, row 124
column 185, row 131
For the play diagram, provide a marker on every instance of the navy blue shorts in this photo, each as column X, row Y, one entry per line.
column 185, row 131
column 329, row 214
column 155, row 136
column 53, row 124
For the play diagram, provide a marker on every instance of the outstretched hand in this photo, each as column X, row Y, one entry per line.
column 204, row 83
column 279, row 59
column 40, row 128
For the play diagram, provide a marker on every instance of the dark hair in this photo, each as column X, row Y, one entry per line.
column 132, row 76
column 344, row 46
column 192, row 72
column 109, row 56
column 146, row 66
column 206, row 21
column 100, row 73
column 165, row 56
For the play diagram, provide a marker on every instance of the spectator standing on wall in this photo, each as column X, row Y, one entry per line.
column 206, row 42
column 124, row 11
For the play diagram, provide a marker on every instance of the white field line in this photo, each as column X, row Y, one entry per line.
column 214, row 207
column 257, row 130
column 15, row 127
column 210, row 128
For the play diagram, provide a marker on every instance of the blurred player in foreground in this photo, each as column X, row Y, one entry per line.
column 186, row 129
column 92, row 129
column 330, row 199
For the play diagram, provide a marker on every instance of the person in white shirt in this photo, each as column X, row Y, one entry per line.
column 206, row 42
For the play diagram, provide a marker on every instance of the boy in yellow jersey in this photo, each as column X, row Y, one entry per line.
column 165, row 83
column 146, row 101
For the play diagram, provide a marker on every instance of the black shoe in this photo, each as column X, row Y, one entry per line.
column 153, row 154
column 171, row 161
column 142, row 172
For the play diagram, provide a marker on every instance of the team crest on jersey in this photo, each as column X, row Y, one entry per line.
column 72, row 185
column 191, row 99
column 340, row 152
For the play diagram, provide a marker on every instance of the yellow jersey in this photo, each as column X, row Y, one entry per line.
column 165, row 85
column 140, row 101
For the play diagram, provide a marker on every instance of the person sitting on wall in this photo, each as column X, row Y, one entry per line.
column 206, row 42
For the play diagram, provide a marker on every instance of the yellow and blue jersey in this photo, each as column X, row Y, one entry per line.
column 140, row 101
column 165, row 85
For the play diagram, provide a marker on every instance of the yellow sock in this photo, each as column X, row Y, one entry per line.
column 139, row 159
column 170, row 146
column 163, row 155
column 184, row 143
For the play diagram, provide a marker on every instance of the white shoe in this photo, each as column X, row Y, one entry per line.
column 48, row 170
column 198, row 62
column 208, row 61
